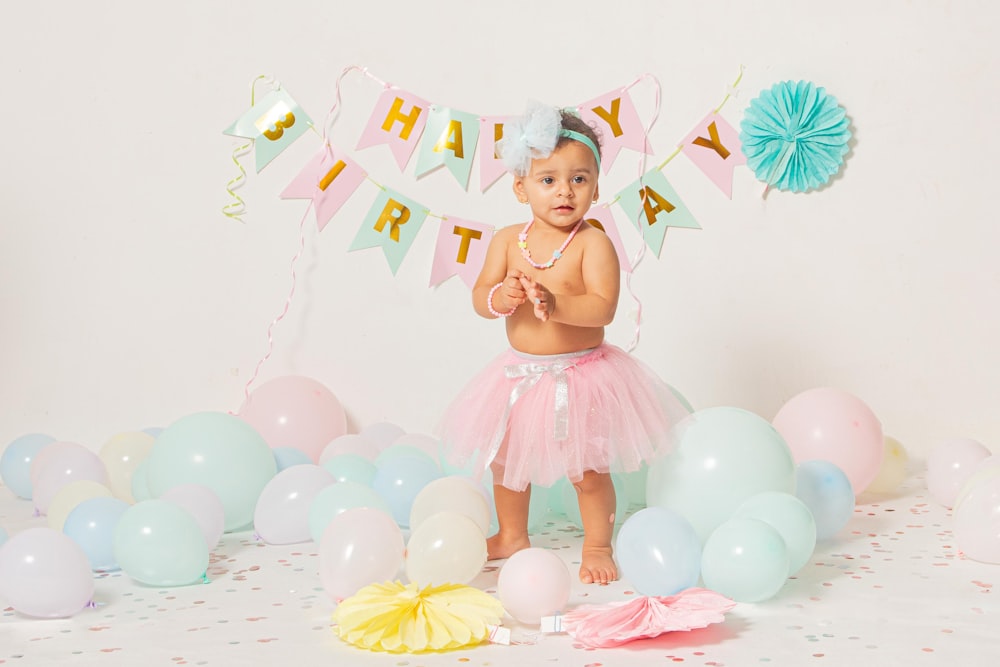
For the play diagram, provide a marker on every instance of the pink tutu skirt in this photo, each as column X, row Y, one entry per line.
column 541, row 418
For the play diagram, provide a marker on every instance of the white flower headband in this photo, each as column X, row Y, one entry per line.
column 535, row 135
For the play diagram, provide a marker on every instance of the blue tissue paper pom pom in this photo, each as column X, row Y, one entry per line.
column 794, row 136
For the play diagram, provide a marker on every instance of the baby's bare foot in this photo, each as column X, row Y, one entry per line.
column 597, row 566
column 501, row 546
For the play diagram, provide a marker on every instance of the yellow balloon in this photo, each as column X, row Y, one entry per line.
column 893, row 471
column 447, row 547
column 71, row 495
column 121, row 455
column 455, row 493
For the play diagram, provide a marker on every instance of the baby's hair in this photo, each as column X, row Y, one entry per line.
column 571, row 121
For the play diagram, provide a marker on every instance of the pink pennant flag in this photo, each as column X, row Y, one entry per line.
column 615, row 115
column 714, row 146
column 398, row 120
column 491, row 167
column 461, row 249
column 329, row 179
column 602, row 218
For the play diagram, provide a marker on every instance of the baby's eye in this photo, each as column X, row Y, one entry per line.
column 548, row 180
column 579, row 179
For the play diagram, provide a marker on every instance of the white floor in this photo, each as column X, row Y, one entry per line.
column 892, row 589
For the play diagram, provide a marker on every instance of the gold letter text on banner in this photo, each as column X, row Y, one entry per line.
column 332, row 174
column 713, row 142
column 396, row 114
column 648, row 194
column 451, row 139
column 611, row 118
column 279, row 117
column 497, row 136
column 395, row 214
column 467, row 236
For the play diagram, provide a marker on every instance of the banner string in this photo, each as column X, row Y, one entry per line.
column 237, row 207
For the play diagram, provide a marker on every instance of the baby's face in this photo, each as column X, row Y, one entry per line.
column 561, row 187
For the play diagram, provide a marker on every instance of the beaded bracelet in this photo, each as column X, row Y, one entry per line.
column 489, row 302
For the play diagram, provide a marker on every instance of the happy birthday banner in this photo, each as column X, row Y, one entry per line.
column 454, row 139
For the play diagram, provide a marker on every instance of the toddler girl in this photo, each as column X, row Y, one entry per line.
column 561, row 401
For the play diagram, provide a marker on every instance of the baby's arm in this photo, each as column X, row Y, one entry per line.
column 511, row 294
column 601, row 282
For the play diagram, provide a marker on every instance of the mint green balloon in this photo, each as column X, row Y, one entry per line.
column 336, row 499
column 723, row 457
column 216, row 450
column 745, row 559
column 159, row 543
column 788, row 515
column 351, row 468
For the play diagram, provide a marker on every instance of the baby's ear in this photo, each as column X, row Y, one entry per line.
column 518, row 188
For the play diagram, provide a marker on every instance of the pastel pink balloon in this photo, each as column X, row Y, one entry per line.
column 72, row 464
column 297, row 412
column 835, row 426
column 47, row 453
column 950, row 464
column 534, row 583
column 45, row 574
column 977, row 521
column 360, row 546
column 282, row 512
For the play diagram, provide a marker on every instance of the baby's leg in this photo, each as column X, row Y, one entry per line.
column 512, row 516
column 596, row 495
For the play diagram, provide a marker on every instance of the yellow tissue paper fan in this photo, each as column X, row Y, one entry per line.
column 395, row 618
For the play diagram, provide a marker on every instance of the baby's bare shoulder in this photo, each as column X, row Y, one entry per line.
column 509, row 231
column 595, row 236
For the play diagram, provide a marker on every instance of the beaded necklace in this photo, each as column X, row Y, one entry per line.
column 522, row 243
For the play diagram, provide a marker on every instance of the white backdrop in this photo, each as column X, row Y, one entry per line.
column 129, row 300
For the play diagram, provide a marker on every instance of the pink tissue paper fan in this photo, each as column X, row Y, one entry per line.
column 616, row 623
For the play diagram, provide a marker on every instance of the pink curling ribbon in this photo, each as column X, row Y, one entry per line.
column 284, row 311
column 640, row 253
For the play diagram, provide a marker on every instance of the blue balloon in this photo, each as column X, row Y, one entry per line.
column 286, row 457
column 659, row 551
column 400, row 478
column 15, row 464
column 91, row 524
column 827, row 492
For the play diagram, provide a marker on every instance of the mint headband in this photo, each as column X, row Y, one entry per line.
column 585, row 140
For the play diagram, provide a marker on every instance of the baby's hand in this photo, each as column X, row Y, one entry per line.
column 542, row 299
column 512, row 290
